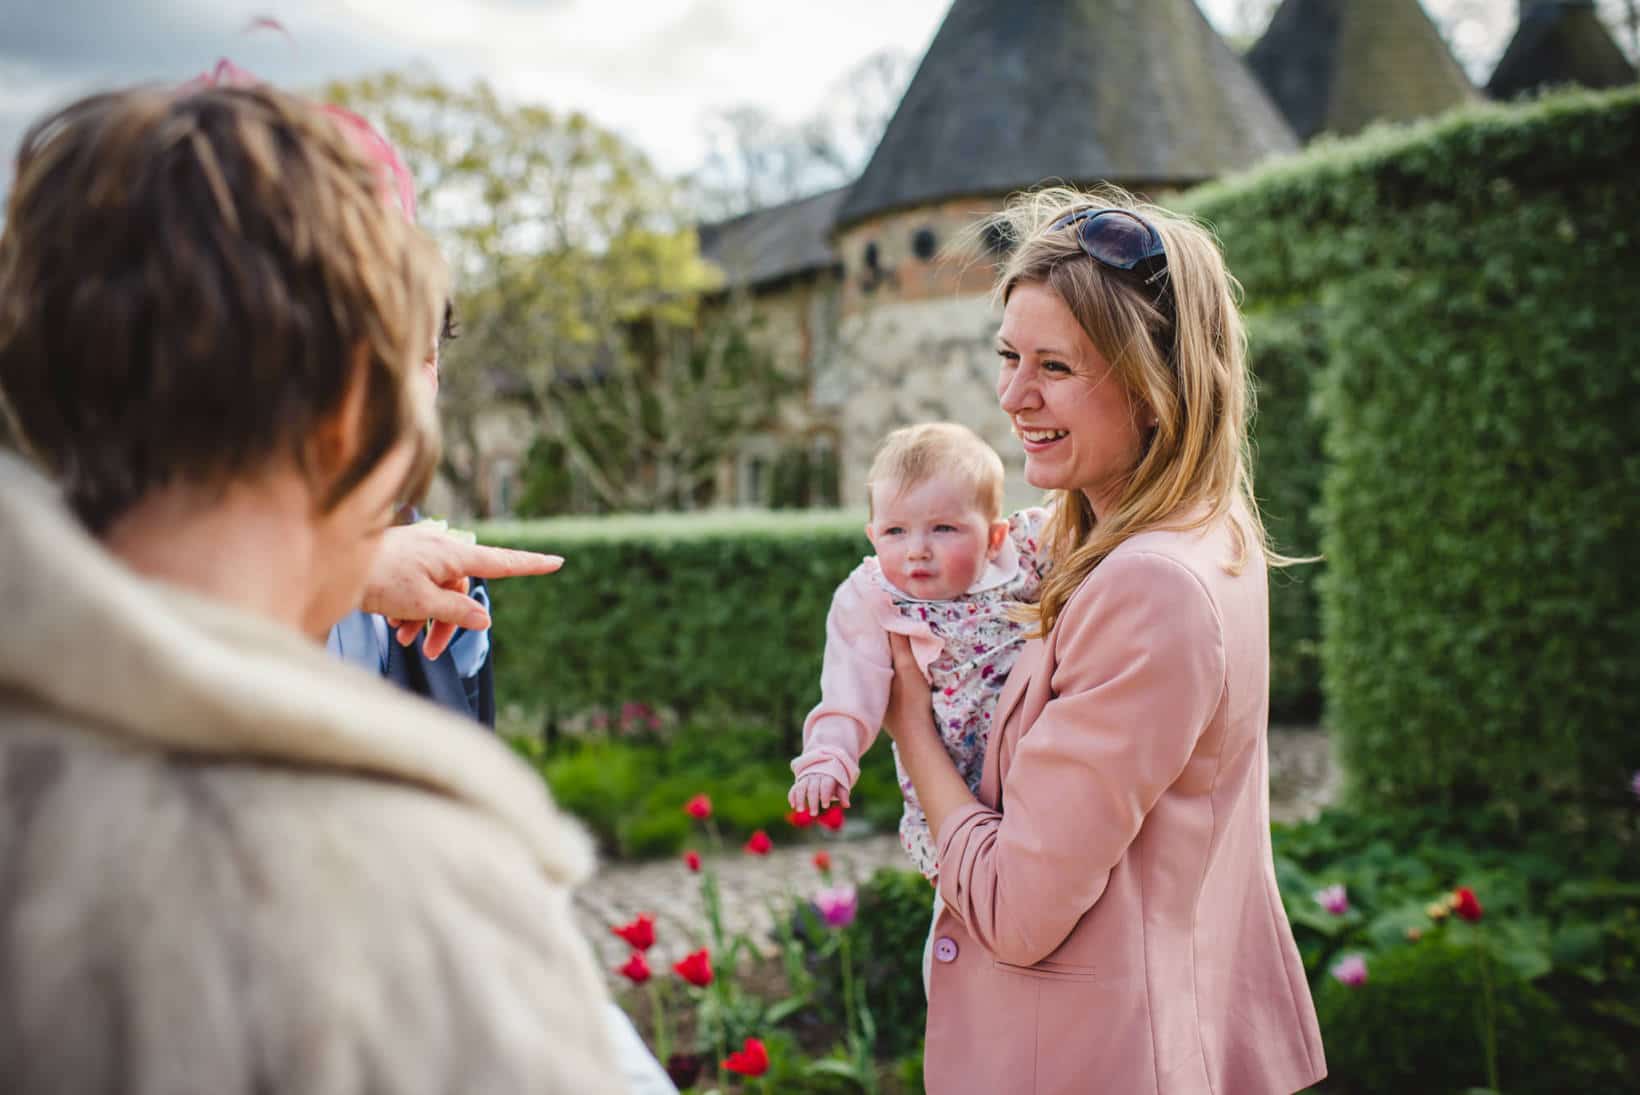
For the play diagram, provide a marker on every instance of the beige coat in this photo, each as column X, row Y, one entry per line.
column 1111, row 919
column 231, row 864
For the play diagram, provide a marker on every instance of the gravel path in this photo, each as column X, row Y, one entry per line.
column 1302, row 780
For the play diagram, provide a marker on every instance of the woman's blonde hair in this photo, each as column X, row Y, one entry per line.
column 1179, row 348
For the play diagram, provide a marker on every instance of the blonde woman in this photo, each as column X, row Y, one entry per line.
column 1111, row 920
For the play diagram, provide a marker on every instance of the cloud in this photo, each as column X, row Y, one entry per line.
column 650, row 69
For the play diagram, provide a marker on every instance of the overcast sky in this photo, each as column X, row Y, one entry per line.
column 650, row 69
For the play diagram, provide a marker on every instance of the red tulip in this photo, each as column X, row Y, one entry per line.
column 759, row 844
column 799, row 819
column 822, row 860
column 683, row 1069
column 699, row 807
column 691, row 859
column 636, row 969
column 1466, row 905
column 832, row 819
column 640, row 934
column 695, row 968
column 753, row 1060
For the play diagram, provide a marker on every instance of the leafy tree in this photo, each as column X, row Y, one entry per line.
column 577, row 283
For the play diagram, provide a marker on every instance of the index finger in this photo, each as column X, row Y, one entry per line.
column 480, row 561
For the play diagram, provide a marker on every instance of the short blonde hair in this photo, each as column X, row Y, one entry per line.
column 913, row 455
column 1185, row 362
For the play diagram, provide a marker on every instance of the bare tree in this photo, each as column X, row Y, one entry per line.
column 1623, row 17
column 754, row 160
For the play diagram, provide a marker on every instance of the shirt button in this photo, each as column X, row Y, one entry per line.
column 945, row 949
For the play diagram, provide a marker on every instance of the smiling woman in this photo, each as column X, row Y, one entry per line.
column 1108, row 901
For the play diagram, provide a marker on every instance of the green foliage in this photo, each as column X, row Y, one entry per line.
column 1287, row 354
column 702, row 616
column 548, row 486
column 888, row 937
column 1471, row 280
column 1412, row 1028
column 630, row 792
column 1559, row 926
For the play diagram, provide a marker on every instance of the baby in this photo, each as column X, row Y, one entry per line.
column 947, row 571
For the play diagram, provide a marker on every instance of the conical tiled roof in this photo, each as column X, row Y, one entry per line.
column 1559, row 42
column 1012, row 92
column 1336, row 66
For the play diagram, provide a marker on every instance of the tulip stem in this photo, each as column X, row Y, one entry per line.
column 859, row 1046
column 847, row 952
column 1490, row 1027
column 663, row 1040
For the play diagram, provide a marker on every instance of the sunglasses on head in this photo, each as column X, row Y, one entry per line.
column 1118, row 239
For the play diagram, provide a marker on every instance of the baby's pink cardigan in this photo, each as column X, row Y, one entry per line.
column 858, row 669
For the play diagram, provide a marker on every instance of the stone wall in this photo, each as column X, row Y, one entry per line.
column 921, row 361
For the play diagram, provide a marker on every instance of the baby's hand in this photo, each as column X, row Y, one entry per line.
column 815, row 793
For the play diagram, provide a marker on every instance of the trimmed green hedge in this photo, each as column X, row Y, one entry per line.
column 1287, row 353
column 1474, row 283
column 719, row 613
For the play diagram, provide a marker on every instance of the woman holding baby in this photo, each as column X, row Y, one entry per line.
column 1110, row 916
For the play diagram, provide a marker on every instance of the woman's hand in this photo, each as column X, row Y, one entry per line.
column 910, row 722
column 910, row 702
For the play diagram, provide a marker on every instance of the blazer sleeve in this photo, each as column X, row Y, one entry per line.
column 855, row 676
column 1139, row 671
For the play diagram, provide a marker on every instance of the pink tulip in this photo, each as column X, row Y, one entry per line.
column 1334, row 899
column 1351, row 970
column 837, row 905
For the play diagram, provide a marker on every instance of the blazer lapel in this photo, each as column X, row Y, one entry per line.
column 1025, row 666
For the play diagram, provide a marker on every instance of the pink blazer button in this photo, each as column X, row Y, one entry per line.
column 945, row 949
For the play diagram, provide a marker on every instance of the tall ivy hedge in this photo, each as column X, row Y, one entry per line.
column 1286, row 353
column 690, row 613
column 1474, row 285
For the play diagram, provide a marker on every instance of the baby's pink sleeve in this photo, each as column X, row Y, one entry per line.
column 854, row 683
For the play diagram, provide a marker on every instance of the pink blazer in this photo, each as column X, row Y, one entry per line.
column 1111, row 921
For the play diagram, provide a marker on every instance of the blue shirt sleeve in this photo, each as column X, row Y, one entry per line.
column 470, row 648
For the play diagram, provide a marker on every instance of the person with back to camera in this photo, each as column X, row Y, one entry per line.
column 228, row 860
column 1111, row 921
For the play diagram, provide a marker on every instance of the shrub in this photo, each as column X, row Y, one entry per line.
column 1472, row 280
column 698, row 614
column 1559, row 893
column 630, row 792
column 1287, row 355
column 1412, row 1028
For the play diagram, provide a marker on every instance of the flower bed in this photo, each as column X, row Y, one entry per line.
column 1492, row 949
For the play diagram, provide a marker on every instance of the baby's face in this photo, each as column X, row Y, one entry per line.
column 932, row 541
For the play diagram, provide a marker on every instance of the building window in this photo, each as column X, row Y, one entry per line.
column 823, row 473
column 924, row 243
column 753, row 470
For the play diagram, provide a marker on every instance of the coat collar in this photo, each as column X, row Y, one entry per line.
column 158, row 668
